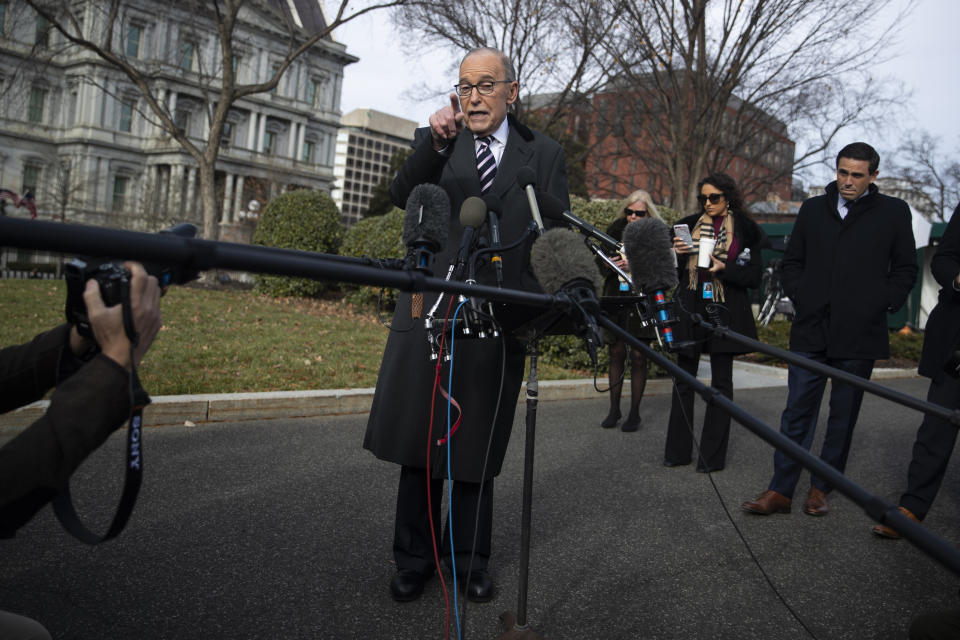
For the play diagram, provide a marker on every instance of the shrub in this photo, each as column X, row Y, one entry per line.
column 303, row 220
column 374, row 237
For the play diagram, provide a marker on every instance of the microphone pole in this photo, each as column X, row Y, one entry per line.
column 877, row 508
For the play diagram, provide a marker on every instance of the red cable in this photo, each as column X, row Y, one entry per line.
column 433, row 537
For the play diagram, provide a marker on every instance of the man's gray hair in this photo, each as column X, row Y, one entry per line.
column 504, row 60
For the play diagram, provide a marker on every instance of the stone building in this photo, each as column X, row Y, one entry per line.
column 80, row 135
column 366, row 142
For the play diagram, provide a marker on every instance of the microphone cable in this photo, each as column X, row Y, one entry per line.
column 746, row 545
column 453, row 553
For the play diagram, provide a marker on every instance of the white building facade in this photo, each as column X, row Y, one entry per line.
column 80, row 135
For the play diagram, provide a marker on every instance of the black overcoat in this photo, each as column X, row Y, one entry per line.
column 942, row 333
column 736, row 280
column 844, row 274
column 397, row 430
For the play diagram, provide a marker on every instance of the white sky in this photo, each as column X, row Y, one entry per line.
column 926, row 60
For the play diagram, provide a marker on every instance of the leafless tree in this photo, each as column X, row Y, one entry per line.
column 928, row 178
column 93, row 26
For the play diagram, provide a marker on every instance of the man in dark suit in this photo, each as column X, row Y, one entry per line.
column 940, row 361
column 850, row 260
column 456, row 152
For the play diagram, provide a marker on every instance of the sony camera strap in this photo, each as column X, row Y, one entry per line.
column 63, row 502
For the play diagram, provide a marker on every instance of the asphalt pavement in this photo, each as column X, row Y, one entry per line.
column 282, row 528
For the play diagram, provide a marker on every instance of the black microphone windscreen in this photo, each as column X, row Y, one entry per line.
column 428, row 215
column 649, row 252
column 559, row 257
column 526, row 177
column 493, row 203
column 550, row 206
column 473, row 212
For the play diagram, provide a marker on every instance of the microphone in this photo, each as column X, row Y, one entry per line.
column 649, row 252
column 473, row 212
column 424, row 232
column 527, row 180
column 494, row 209
column 564, row 266
column 553, row 209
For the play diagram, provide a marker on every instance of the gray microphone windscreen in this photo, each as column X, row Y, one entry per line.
column 526, row 177
column 493, row 203
column 649, row 252
column 428, row 216
column 559, row 257
column 473, row 212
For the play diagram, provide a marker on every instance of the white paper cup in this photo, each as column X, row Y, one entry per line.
column 706, row 250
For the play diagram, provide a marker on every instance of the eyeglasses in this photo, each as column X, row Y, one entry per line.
column 714, row 198
column 485, row 88
column 634, row 212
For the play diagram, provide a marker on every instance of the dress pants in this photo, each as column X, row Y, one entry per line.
column 716, row 422
column 799, row 419
column 931, row 450
column 412, row 545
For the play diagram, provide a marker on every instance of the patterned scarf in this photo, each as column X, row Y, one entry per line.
column 704, row 229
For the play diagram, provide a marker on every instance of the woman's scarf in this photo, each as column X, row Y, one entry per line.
column 704, row 229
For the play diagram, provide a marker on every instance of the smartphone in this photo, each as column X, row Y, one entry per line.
column 682, row 231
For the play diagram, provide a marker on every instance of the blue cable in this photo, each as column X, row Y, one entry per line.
column 453, row 557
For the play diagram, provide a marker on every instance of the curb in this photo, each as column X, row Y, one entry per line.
column 236, row 407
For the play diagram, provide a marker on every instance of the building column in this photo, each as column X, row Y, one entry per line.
column 176, row 190
column 238, row 203
column 191, row 189
column 300, row 138
column 252, row 131
column 227, row 199
column 261, row 134
column 162, row 201
column 149, row 190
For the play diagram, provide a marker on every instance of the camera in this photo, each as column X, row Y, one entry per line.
column 114, row 280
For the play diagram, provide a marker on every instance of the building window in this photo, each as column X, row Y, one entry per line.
column 3, row 16
column 134, row 31
column 269, row 142
column 120, row 188
column 181, row 118
column 274, row 69
column 308, row 148
column 313, row 93
column 38, row 96
column 126, row 114
column 31, row 179
column 226, row 136
column 41, row 37
column 187, row 50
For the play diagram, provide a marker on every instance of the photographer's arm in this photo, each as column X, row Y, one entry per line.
column 85, row 409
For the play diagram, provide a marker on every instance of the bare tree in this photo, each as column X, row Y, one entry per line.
column 720, row 81
column 929, row 179
column 93, row 27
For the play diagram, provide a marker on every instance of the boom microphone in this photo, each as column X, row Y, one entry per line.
column 653, row 268
column 650, row 254
column 527, row 180
column 563, row 265
column 553, row 209
column 473, row 212
column 425, row 225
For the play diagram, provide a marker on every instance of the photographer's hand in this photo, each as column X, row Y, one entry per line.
column 107, row 322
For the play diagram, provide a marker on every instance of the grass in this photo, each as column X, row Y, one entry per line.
column 229, row 341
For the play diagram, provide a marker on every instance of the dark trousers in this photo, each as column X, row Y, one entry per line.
column 931, row 450
column 799, row 419
column 412, row 544
column 716, row 422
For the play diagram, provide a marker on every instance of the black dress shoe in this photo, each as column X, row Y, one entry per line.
column 671, row 463
column 632, row 423
column 406, row 585
column 480, row 587
column 611, row 420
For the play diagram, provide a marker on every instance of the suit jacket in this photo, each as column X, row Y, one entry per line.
column 397, row 430
column 942, row 333
column 844, row 274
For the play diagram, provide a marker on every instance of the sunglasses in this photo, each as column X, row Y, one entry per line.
column 634, row 212
column 714, row 198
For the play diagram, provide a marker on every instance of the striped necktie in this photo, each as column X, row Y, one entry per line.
column 486, row 164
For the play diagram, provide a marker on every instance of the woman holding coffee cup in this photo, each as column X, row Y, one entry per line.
column 715, row 272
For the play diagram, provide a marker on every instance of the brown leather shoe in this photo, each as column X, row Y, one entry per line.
column 768, row 502
column 816, row 504
column 884, row 531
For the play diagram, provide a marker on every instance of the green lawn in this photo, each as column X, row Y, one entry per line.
column 228, row 341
